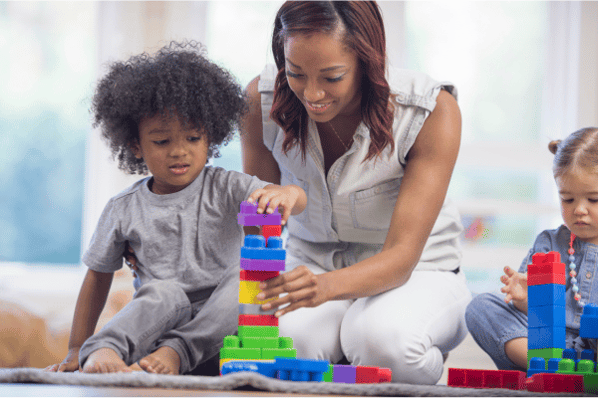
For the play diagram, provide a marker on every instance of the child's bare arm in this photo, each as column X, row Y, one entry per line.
column 290, row 199
column 91, row 301
column 515, row 288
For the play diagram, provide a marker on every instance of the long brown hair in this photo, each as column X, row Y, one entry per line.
column 363, row 27
column 578, row 149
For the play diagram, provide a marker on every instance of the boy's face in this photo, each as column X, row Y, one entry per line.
column 174, row 155
column 578, row 190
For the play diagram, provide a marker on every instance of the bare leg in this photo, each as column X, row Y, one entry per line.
column 164, row 360
column 516, row 350
column 105, row 360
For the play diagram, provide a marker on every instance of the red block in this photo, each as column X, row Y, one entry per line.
column 371, row 374
column 477, row 378
column 257, row 275
column 271, row 230
column 555, row 382
column 257, row 320
column 546, row 268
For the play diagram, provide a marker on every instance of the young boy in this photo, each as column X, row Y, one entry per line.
column 168, row 114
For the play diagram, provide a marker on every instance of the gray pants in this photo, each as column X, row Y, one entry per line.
column 161, row 314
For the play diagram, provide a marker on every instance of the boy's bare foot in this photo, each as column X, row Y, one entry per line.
column 164, row 360
column 105, row 360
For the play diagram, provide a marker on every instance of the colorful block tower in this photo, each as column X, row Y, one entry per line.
column 546, row 278
column 262, row 258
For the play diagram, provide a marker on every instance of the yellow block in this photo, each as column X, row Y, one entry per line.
column 247, row 292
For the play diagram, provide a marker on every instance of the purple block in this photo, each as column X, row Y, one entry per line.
column 249, row 217
column 344, row 374
column 249, row 264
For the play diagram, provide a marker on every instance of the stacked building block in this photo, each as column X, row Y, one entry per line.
column 551, row 367
column 258, row 346
column 262, row 258
column 546, row 278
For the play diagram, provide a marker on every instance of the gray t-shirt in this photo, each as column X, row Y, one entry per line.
column 190, row 237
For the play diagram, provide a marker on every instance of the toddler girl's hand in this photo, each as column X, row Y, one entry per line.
column 289, row 199
column 515, row 288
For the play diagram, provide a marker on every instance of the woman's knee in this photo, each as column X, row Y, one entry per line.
column 405, row 351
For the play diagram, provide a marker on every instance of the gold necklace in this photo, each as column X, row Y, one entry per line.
column 339, row 137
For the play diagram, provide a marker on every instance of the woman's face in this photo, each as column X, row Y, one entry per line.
column 324, row 75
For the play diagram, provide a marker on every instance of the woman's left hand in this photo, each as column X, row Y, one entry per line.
column 303, row 288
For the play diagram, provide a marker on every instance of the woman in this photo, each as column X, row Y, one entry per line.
column 373, row 262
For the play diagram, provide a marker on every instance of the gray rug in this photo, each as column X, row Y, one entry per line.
column 246, row 381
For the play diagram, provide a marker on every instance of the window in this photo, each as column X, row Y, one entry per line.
column 495, row 54
column 47, row 69
column 238, row 38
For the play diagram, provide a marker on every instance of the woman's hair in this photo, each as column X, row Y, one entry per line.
column 580, row 149
column 179, row 80
column 362, row 28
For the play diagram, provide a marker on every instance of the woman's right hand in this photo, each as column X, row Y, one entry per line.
column 130, row 258
column 69, row 364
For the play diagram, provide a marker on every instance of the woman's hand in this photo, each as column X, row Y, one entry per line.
column 68, row 364
column 130, row 258
column 290, row 199
column 303, row 288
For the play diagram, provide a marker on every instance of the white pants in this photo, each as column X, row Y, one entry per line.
column 406, row 329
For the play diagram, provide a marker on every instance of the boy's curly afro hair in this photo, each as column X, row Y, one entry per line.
column 176, row 79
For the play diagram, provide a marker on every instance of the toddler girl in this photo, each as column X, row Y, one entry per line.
column 499, row 325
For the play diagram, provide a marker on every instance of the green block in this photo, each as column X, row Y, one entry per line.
column 259, row 342
column 285, row 342
column 271, row 353
column 257, row 331
column 545, row 353
column 231, row 341
column 327, row 377
column 584, row 367
column 590, row 383
column 566, row 366
column 240, row 353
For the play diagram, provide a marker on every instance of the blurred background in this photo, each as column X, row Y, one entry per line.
column 526, row 72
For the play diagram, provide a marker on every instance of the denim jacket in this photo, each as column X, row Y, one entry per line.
column 348, row 211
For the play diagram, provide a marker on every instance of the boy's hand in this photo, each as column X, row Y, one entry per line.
column 69, row 364
column 289, row 199
column 515, row 288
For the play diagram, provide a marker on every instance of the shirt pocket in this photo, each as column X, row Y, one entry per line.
column 372, row 208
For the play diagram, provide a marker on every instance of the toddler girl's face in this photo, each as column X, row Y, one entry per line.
column 173, row 154
column 578, row 191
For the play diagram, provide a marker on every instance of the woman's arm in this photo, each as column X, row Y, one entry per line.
column 257, row 158
column 430, row 163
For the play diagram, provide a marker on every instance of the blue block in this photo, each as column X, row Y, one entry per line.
column 301, row 369
column 542, row 295
column 264, row 368
column 570, row 353
column 545, row 338
column 255, row 248
column 552, row 365
column 536, row 365
column 547, row 316
column 589, row 322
